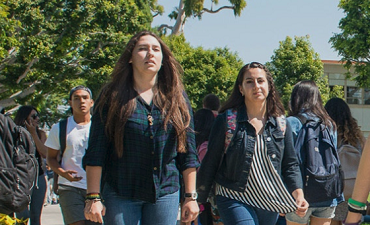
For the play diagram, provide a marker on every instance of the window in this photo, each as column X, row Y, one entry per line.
column 367, row 96
column 354, row 95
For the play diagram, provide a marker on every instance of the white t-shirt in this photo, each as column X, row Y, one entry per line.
column 77, row 141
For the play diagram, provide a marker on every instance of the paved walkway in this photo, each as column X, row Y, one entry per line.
column 51, row 215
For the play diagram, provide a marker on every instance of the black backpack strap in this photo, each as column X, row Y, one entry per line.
column 62, row 136
column 301, row 118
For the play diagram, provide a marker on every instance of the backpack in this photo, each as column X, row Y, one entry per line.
column 62, row 141
column 320, row 165
column 18, row 166
column 350, row 159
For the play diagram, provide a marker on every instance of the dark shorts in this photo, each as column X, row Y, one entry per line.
column 72, row 203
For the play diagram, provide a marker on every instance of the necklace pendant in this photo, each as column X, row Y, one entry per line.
column 150, row 119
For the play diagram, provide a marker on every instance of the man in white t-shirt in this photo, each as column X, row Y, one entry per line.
column 72, row 177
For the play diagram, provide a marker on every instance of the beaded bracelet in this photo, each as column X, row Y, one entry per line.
column 92, row 196
column 93, row 200
column 356, row 203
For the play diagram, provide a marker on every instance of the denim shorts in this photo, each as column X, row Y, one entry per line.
column 318, row 212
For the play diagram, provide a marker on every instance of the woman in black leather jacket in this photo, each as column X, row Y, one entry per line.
column 258, row 175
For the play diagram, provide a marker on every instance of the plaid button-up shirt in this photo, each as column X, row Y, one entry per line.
column 150, row 166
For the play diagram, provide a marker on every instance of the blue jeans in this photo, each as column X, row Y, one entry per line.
column 234, row 212
column 37, row 203
column 123, row 211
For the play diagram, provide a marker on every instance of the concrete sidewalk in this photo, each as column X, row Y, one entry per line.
column 51, row 215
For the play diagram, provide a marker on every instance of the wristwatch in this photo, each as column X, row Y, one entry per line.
column 193, row 195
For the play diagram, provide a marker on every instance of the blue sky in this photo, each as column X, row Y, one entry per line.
column 262, row 24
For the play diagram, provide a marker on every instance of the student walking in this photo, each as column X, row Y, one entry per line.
column 306, row 106
column 212, row 102
column 258, row 173
column 142, row 140
column 72, row 178
column 28, row 117
column 350, row 141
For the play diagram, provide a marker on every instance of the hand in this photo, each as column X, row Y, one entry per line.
column 302, row 206
column 189, row 211
column 94, row 211
column 71, row 175
column 30, row 127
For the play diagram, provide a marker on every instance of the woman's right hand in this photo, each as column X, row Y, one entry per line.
column 94, row 211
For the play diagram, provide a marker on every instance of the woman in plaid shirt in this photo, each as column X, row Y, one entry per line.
column 141, row 140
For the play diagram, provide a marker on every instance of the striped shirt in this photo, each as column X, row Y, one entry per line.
column 264, row 188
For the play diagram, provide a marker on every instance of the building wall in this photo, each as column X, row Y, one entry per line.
column 357, row 98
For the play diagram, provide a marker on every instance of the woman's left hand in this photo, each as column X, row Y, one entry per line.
column 189, row 211
column 302, row 207
column 302, row 204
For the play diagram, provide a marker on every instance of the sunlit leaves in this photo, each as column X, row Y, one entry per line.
column 294, row 61
column 353, row 43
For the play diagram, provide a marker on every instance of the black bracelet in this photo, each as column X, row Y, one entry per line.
column 351, row 209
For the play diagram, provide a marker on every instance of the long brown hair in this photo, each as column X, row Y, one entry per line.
column 118, row 96
column 274, row 106
column 306, row 96
column 348, row 130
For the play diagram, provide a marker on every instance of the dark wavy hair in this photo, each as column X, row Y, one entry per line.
column 23, row 113
column 212, row 102
column 118, row 96
column 203, row 121
column 306, row 97
column 348, row 130
column 273, row 103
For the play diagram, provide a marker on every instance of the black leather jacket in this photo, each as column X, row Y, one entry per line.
column 234, row 170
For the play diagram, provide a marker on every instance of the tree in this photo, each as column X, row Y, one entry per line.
column 195, row 8
column 296, row 61
column 47, row 47
column 54, row 45
column 205, row 71
column 353, row 43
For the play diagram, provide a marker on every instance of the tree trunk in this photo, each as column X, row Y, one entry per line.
column 180, row 20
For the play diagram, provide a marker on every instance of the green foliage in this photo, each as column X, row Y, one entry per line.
column 193, row 7
column 197, row 7
column 6, row 26
column 48, row 47
column 337, row 92
column 239, row 6
column 205, row 71
column 51, row 46
column 353, row 43
column 296, row 61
